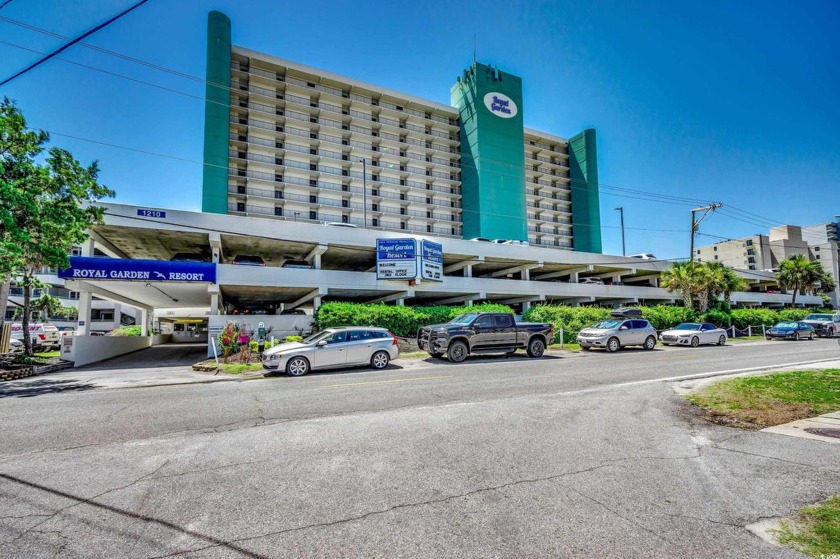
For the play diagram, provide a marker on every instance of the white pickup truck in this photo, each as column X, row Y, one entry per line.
column 43, row 335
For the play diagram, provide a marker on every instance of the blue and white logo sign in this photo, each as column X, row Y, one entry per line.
column 396, row 259
column 160, row 214
column 120, row 269
column 431, row 260
column 500, row 105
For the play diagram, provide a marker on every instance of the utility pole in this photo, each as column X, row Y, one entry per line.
column 695, row 223
column 364, row 190
column 621, row 209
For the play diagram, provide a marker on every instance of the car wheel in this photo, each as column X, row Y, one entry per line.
column 297, row 367
column 796, row 336
column 536, row 348
column 458, row 352
column 695, row 341
column 613, row 345
column 650, row 343
column 810, row 336
column 436, row 355
column 722, row 340
column 380, row 360
column 584, row 347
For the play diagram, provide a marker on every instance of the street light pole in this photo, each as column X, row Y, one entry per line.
column 695, row 223
column 621, row 209
column 364, row 190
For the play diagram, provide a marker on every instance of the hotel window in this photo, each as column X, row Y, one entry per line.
column 313, row 215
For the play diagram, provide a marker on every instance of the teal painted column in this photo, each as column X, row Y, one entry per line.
column 492, row 153
column 586, row 205
column 216, row 115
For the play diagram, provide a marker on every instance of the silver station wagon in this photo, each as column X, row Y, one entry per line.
column 334, row 348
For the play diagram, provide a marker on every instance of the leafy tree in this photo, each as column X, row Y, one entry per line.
column 47, row 305
column 801, row 275
column 47, row 203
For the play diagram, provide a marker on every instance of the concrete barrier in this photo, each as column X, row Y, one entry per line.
column 90, row 349
column 159, row 339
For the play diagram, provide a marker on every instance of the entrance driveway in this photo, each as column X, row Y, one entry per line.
column 163, row 364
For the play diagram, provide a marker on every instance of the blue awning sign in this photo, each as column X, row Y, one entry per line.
column 396, row 259
column 122, row 269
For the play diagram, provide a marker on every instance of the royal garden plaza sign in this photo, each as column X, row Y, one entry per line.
column 121, row 269
column 500, row 105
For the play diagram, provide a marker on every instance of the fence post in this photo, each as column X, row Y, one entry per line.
column 733, row 330
column 763, row 331
column 561, row 338
column 749, row 331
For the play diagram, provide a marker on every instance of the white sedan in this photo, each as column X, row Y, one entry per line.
column 694, row 334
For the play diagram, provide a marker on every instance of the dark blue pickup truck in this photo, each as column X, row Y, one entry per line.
column 484, row 333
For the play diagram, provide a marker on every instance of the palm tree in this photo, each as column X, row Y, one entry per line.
column 801, row 275
column 681, row 277
column 724, row 280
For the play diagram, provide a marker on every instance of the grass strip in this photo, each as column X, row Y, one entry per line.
column 239, row 368
column 816, row 532
column 763, row 401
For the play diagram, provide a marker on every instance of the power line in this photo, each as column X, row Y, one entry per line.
column 73, row 42
column 4, row 4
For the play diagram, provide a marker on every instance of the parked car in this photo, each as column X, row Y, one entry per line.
column 484, row 333
column 334, row 348
column 509, row 242
column 15, row 346
column 248, row 260
column 592, row 281
column 694, row 334
column 65, row 331
column 625, row 328
column 790, row 331
column 42, row 335
column 825, row 325
column 482, row 240
column 190, row 257
column 643, row 256
column 291, row 263
column 340, row 224
column 293, row 311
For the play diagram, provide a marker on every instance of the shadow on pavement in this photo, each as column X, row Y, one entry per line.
column 40, row 387
column 169, row 355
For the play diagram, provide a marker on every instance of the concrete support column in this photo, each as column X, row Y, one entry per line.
column 400, row 302
column 526, row 306
column 87, row 247
column 573, row 277
column 83, row 328
column 316, row 262
column 144, row 322
column 214, row 304
column 526, row 274
column 316, row 302
column 469, row 303
column 467, row 271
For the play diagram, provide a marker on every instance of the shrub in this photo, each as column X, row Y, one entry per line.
column 293, row 338
column 663, row 317
column 718, row 318
column 742, row 318
column 402, row 321
column 123, row 331
column 571, row 319
column 254, row 345
column 793, row 315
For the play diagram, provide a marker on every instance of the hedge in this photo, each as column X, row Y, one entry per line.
column 574, row 319
column 402, row 321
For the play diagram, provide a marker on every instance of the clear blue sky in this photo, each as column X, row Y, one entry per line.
column 727, row 101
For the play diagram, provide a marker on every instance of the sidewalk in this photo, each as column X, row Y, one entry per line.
column 824, row 428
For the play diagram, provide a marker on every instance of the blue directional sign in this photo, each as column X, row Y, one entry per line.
column 122, row 269
column 431, row 260
column 396, row 259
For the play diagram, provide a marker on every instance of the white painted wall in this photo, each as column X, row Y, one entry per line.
column 91, row 349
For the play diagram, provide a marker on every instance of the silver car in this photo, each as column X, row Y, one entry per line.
column 334, row 348
column 615, row 333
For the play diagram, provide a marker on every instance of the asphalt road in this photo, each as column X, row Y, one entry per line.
column 581, row 455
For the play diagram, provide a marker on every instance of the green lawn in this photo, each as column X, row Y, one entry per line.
column 762, row 401
column 48, row 354
column 816, row 532
column 740, row 339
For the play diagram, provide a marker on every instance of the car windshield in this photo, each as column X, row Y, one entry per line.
column 786, row 325
column 463, row 319
column 688, row 326
column 608, row 324
column 315, row 338
column 818, row 317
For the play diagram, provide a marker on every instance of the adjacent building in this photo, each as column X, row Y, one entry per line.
column 291, row 142
column 817, row 243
